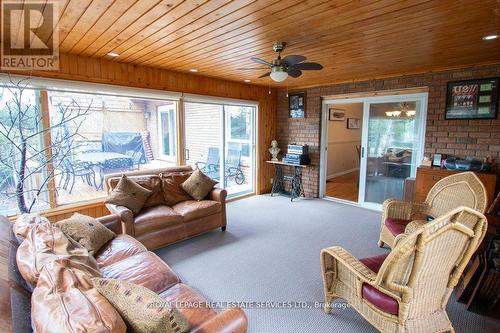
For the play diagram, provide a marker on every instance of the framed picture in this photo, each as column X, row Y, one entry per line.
column 297, row 105
column 353, row 123
column 436, row 161
column 335, row 114
column 472, row 99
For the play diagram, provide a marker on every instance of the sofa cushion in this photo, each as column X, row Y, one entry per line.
column 129, row 194
column 45, row 243
column 380, row 300
column 143, row 310
column 396, row 226
column 198, row 185
column 196, row 309
column 144, row 269
column 193, row 209
column 65, row 300
column 119, row 248
column 155, row 218
column 87, row 231
column 375, row 262
column 151, row 182
column 172, row 190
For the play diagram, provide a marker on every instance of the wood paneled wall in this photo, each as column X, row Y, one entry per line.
column 77, row 68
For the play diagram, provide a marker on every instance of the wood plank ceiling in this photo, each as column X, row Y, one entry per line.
column 353, row 40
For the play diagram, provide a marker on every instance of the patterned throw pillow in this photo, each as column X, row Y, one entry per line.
column 87, row 231
column 143, row 310
column 129, row 194
column 150, row 182
column 198, row 185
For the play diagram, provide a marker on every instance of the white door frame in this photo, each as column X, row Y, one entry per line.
column 420, row 98
column 172, row 109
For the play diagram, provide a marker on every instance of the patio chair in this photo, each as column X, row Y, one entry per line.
column 462, row 189
column 137, row 157
column 212, row 166
column 407, row 289
column 71, row 170
column 233, row 167
column 114, row 165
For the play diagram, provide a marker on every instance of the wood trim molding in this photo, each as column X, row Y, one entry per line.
column 416, row 90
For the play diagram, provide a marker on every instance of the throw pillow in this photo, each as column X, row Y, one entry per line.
column 129, row 194
column 87, row 231
column 198, row 185
column 172, row 190
column 150, row 182
column 142, row 309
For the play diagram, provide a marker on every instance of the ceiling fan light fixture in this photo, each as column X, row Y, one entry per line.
column 278, row 74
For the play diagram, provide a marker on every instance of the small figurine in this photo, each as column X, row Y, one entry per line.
column 274, row 150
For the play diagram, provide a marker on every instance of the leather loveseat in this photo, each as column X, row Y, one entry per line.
column 122, row 258
column 160, row 223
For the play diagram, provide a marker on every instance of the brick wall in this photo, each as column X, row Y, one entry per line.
column 476, row 138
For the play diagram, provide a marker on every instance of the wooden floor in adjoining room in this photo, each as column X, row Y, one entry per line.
column 343, row 187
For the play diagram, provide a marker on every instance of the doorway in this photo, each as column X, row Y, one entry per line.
column 391, row 145
column 343, row 151
column 219, row 139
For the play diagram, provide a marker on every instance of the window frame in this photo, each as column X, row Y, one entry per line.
column 173, row 131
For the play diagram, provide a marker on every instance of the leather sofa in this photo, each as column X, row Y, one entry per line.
column 121, row 258
column 158, row 224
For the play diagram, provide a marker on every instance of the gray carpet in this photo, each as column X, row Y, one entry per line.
column 270, row 252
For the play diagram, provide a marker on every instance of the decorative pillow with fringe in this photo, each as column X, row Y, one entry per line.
column 143, row 310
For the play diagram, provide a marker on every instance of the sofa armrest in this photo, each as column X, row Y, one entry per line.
column 113, row 222
column 217, row 194
column 228, row 321
column 126, row 216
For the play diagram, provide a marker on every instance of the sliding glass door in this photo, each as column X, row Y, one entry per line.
column 392, row 147
column 219, row 140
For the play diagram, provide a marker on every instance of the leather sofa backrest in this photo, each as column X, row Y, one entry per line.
column 157, row 171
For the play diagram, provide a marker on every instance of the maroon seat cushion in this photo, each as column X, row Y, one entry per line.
column 375, row 262
column 396, row 226
column 379, row 299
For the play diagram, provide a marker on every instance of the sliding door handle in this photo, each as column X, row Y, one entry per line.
column 362, row 152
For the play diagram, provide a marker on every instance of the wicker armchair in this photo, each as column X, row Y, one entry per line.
column 462, row 189
column 407, row 290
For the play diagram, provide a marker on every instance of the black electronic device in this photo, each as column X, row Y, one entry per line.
column 454, row 163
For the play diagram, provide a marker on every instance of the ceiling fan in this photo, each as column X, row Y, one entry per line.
column 291, row 65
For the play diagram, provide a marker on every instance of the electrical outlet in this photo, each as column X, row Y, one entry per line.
column 272, row 179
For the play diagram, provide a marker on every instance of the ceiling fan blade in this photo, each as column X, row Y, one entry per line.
column 294, row 72
column 291, row 60
column 308, row 66
column 251, row 68
column 260, row 61
column 264, row 75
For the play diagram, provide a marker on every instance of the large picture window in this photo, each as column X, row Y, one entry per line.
column 73, row 140
column 117, row 134
column 21, row 141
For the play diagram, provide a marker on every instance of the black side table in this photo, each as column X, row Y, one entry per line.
column 295, row 179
